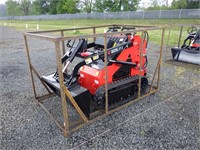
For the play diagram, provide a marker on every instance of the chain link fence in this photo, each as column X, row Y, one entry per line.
column 159, row 14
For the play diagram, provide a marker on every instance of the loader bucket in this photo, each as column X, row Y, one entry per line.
column 185, row 55
column 80, row 94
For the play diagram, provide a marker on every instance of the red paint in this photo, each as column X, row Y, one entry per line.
column 92, row 78
column 195, row 45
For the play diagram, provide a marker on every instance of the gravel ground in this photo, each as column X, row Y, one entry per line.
column 167, row 120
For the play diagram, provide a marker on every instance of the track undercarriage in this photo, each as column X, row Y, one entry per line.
column 121, row 91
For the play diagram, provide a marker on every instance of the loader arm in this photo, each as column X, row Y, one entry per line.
column 74, row 51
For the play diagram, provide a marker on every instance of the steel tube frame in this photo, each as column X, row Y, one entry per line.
column 180, row 36
column 66, row 125
column 106, row 73
column 140, row 72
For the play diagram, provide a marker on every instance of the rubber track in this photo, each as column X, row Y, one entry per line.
column 100, row 93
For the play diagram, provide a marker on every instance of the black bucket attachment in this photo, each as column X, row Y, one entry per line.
column 80, row 94
column 185, row 55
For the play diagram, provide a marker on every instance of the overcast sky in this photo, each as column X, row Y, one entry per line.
column 143, row 3
column 146, row 3
column 2, row 1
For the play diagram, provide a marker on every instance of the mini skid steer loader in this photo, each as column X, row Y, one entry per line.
column 190, row 50
column 86, row 82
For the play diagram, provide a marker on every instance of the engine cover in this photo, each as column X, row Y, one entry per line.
column 123, row 61
column 90, row 78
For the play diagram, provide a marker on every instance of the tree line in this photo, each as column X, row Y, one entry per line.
column 176, row 4
column 38, row 7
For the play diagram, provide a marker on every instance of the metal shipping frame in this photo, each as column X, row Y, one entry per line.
column 68, row 127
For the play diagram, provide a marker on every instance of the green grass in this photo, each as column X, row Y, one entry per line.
column 61, row 24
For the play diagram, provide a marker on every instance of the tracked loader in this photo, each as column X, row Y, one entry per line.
column 86, row 81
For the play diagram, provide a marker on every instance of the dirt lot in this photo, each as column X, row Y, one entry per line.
column 167, row 120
